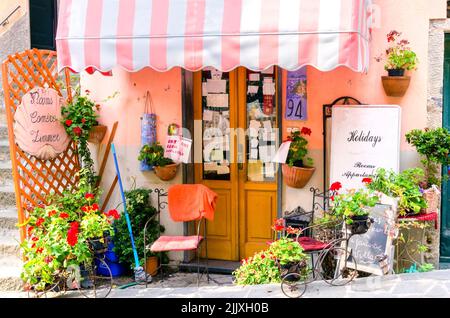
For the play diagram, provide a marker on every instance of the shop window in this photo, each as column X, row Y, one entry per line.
column 43, row 22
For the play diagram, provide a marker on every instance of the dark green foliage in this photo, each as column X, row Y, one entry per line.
column 139, row 210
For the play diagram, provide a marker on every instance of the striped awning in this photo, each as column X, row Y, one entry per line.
column 224, row 34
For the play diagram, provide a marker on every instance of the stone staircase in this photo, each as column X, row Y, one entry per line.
column 10, row 261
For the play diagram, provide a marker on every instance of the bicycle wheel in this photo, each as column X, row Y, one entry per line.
column 293, row 285
column 96, row 279
column 338, row 270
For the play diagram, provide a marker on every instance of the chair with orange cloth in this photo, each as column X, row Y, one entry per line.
column 186, row 203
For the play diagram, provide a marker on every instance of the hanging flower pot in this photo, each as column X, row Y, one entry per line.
column 97, row 133
column 296, row 177
column 166, row 173
column 395, row 86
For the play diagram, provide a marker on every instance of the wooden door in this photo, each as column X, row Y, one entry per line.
column 247, row 201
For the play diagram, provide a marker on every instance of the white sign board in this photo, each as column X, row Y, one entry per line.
column 363, row 138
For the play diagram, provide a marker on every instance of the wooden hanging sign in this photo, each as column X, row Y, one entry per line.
column 37, row 126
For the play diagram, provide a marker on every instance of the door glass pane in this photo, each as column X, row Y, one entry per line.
column 216, row 124
column 262, row 136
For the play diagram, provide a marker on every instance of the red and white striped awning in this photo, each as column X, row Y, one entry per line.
column 224, row 34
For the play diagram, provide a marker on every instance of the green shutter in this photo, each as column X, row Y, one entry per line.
column 43, row 24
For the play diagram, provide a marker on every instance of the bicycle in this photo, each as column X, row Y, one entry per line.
column 334, row 265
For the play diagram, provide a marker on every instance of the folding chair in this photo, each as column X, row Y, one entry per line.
column 200, row 207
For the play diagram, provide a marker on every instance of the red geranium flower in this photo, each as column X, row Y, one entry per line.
column 87, row 92
column 30, row 228
column 367, row 180
column 72, row 234
column 84, row 208
column 278, row 225
column 306, row 131
column 33, row 245
column 69, row 122
column 263, row 256
column 88, row 196
column 63, row 215
column 332, row 198
column 34, row 239
column 39, row 250
column 83, row 120
column 336, row 186
column 48, row 259
column 39, row 222
column 95, row 207
column 291, row 230
column 77, row 130
column 51, row 213
column 113, row 213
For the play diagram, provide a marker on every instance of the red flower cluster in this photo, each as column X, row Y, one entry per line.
column 29, row 230
column 88, row 196
column 77, row 130
column 69, row 122
column 113, row 213
column 392, row 36
column 63, row 215
column 39, row 222
column 51, row 213
column 367, row 180
column 306, row 131
column 336, row 186
column 72, row 234
column 279, row 225
column 294, row 231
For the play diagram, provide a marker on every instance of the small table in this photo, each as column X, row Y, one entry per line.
column 413, row 246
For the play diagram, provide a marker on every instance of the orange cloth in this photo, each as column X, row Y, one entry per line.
column 189, row 202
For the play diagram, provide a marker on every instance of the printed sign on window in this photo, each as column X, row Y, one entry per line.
column 296, row 95
column 178, row 148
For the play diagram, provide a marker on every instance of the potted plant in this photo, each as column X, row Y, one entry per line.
column 298, row 170
column 405, row 186
column 284, row 256
column 354, row 206
column 58, row 235
column 153, row 155
column 399, row 58
column 140, row 211
column 434, row 146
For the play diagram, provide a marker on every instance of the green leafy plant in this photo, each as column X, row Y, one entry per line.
column 398, row 54
column 404, row 186
column 353, row 203
column 153, row 155
column 139, row 210
column 434, row 146
column 298, row 149
column 58, row 235
column 265, row 267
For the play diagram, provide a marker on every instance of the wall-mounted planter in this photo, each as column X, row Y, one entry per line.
column 166, row 173
column 296, row 177
column 395, row 86
column 97, row 134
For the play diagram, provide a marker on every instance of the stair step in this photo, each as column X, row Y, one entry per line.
column 6, row 177
column 9, row 242
column 4, row 150
column 3, row 131
column 7, row 196
column 8, row 219
column 10, row 278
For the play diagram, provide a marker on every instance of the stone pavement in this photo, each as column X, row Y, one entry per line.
column 435, row 284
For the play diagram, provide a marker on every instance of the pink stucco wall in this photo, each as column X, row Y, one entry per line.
column 410, row 17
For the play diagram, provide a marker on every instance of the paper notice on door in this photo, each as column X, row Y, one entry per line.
column 217, row 100
column 266, row 153
column 217, row 155
column 254, row 154
column 223, row 169
column 254, row 142
column 254, row 77
column 255, row 171
column 267, row 125
column 269, row 170
column 208, row 115
column 282, row 152
column 268, row 88
column 210, row 166
column 269, row 136
column 216, row 86
column 226, row 144
column 252, row 89
column 204, row 89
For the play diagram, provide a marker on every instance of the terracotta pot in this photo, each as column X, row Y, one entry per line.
column 296, row 177
column 166, row 173
column 395, row 86
column 151, row 265
column 97, row 134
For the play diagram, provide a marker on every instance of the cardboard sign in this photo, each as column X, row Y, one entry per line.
column 37, row 127
column 178, row 148
column 363, row 138
column 296, row 95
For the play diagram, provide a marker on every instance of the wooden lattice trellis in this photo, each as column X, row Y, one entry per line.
column 34, row 179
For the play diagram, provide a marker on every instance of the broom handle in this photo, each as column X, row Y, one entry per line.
column 127, row 218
